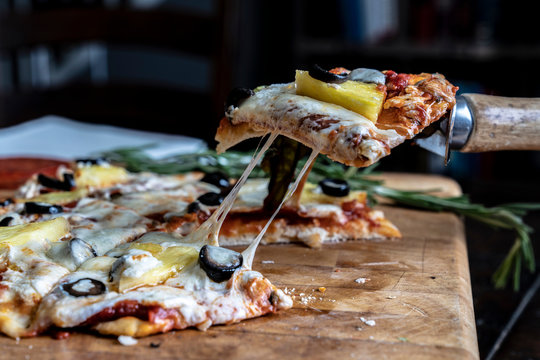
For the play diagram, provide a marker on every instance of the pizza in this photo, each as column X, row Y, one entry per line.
column 96, row 247
column 354, row 117
column 99, row 247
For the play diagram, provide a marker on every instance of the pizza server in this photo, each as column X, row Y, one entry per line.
column 479, row 123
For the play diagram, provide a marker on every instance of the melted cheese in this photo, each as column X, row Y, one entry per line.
column 200, row 301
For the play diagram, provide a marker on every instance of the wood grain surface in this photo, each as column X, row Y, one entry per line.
column 503, row 123
column 415, row 302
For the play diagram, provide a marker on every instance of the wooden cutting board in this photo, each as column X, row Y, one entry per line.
column 398, row 299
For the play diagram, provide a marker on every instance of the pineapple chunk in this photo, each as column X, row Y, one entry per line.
column 60, row 197
column 52, row 230
column 170, row 261
column 310, row 195
column 362, row 98
column 100, row 176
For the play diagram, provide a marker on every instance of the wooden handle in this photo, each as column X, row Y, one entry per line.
column 503, row 123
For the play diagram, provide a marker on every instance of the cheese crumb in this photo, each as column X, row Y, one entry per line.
column 368, row 322
column 361, row 280
column 267, row 262
column 322, row 289
column 127, row 340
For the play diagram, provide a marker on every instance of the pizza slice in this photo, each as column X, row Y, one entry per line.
column 163, row 281
column 327, row 212
column 354, row 117
column 26, row 272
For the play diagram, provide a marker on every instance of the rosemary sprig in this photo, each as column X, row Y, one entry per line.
column 233, row 163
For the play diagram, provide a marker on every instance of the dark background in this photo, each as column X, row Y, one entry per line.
column 167, row 65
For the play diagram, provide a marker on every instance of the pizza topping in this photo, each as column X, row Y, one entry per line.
column 319, row 73
column 6, row 202
column 150, row 264
column 370, row 76
column 61, row 197
column 335, row 187
column 80, row 250
column 89, row 162
column 211, row 199
column 100, row 176
column 217, row 178
column 193, row 207
column 85, row 287
column 235, row 98
column 219, row 263
column 364, row 98
column 42, row 208
column 52, row 230
column 67, row 184
column 5, row 221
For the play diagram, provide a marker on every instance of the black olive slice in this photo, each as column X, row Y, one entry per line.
column 42, row 208
column 193, row 207
column 81, row 250
column 85, row 287
column 6, row 202
column 335, row 187
column 67, row 184
column 90, row 161
column 211, row 199
column 219, row 263
column 5, row 221
column 236, row 96
column 69, row 180
column 319, row 73
column 217, row 178
column 117, row 268
column 367, row 76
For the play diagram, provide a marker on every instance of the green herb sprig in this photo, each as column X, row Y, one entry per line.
column 233, row 163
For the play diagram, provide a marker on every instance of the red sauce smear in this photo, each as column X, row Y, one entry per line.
column 152, row 313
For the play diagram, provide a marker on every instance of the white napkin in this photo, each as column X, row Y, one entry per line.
column 56, row 137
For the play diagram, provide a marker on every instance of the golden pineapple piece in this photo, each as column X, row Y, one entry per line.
column 362, row 98
column 311, row 195
column 170, row 261
column 100, row 176
column 52, row 230
column 60, row 197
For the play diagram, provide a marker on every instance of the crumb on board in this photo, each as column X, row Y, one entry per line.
column 127, row 340
column 368, row 322
column 267, row 262
column 391, row 297
column 305, row 299
column 322, row 289
column 361, row 280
